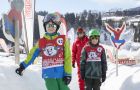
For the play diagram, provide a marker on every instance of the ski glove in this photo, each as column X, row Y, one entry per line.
column 19, row 70
column 73, row 65
column 67, row 79
column 103, row 78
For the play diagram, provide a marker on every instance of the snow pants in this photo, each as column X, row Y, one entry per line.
column 80, row 81
column 55, row 84
column 92, row 84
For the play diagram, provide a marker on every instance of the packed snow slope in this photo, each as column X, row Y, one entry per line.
column 128, row 78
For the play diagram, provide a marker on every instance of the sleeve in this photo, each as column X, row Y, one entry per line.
column 34, row 52
column 74, row 50
column 83, row 62
column 104, row 62
column 67, row 59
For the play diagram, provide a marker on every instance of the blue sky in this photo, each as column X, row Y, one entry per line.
column 77, row 6
column 64, row 6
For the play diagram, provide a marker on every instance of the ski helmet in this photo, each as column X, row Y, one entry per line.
column 94, row 32
column 54, row 17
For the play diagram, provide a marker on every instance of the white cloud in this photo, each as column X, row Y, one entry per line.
column 138, row 2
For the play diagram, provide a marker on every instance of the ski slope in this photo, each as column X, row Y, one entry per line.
column 128, row 78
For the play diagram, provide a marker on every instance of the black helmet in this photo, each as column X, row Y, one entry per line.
column 54, row 17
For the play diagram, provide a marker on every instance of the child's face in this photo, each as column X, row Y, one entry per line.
column 51, row 27
column 94, row 39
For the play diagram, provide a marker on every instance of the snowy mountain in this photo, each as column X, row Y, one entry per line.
column 134, row 9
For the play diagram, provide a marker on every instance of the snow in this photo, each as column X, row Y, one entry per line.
column 127, row 79
column 31, row 80
column 113, row 18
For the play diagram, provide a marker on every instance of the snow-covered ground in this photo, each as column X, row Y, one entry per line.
column 31, row 80
column 128, row 78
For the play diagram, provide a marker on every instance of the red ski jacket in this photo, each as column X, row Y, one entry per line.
column 76, row 49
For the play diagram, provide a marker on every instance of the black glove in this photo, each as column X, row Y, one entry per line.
column 19, row 70
column 67, row 79
column 73, row 65
column 103, row 78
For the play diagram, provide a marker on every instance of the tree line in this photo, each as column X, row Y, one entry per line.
column 84, row 19
column 87, row 20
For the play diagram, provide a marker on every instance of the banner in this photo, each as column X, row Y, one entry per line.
column 29, row 21
column 9, row 19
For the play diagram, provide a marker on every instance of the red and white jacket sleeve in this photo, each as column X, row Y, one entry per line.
column 74, row 51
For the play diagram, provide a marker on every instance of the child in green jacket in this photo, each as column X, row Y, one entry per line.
column 93, row 64
column 56, row 55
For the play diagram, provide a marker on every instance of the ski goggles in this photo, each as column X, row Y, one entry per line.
column 95, row 37
column 51, row 17
column 53, row 25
